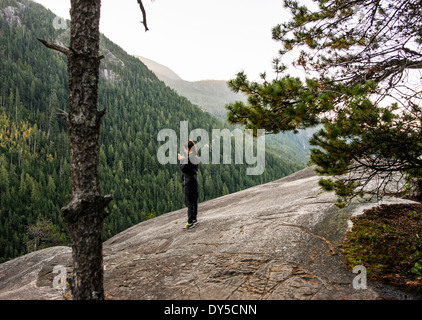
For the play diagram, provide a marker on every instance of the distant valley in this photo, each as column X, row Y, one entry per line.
column 210, row 95
column 213, row 95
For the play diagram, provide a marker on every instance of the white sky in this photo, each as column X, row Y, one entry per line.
column 197, row 39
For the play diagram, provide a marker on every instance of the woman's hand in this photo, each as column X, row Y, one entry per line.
column 180, row 157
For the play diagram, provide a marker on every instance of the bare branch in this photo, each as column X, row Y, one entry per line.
column 144, row 15
column 56, row 47
column 107, row 199
column 62, row 114
column 101, row 113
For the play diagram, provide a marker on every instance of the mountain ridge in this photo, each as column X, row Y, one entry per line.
column 160, row 69
column 210, row 95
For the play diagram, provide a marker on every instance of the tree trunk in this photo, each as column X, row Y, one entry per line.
column 85, row 213
column 418, row 190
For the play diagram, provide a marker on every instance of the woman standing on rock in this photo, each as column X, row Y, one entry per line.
column 189, row 166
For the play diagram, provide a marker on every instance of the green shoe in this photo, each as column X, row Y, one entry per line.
column 188, row 226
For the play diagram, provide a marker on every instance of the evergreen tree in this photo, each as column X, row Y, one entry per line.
column 361, row 60
column 43, row 234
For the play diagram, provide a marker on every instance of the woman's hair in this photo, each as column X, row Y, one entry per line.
column 189, row 145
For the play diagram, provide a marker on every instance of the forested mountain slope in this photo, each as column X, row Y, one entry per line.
column 34, row 156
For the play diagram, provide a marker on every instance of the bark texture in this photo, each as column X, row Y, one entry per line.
column 86, row 211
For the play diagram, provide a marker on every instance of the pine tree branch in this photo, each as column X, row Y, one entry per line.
column 56, row 47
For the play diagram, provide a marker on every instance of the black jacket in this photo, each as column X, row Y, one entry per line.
column 190, row 179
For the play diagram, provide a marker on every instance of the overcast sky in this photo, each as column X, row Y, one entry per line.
column 197, row 39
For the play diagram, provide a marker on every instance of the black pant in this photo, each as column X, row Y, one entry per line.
column 192, row 211
column 191, row 201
